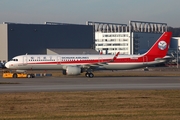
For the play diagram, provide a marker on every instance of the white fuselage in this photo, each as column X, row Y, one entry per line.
column 60, row 62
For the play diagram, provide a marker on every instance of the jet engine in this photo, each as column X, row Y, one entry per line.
column 72, row 70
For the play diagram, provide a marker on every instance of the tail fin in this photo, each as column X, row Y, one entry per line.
column 160, row 48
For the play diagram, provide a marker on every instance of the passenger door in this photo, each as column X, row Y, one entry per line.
column 25, row 60
column 58, row 60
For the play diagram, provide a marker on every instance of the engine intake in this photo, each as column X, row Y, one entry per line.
column 73, row 70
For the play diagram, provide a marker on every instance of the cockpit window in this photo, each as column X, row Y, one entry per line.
column 14, row 60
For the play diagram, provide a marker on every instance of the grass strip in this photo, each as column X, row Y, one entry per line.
column 88, row 105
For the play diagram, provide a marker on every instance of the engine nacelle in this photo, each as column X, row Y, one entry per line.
column 73, row 70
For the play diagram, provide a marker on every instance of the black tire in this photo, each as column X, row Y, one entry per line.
column 29, row 76
column 33, row 76
column 15, row 75
column 91, row 75
column 87, row 74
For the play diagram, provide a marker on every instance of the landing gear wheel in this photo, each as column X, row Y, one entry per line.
column 90, row 75
column 87, row 74
column 15, row 75
column 29, row 76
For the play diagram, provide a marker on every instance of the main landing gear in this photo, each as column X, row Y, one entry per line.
column 90, row 75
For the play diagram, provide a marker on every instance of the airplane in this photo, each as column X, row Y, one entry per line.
column 77, row 64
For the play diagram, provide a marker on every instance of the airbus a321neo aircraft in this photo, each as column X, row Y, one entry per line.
column 77, row 64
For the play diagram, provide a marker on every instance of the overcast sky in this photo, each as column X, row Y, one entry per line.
column 80, row 11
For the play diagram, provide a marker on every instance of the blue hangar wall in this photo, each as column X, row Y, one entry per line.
column 36, row 38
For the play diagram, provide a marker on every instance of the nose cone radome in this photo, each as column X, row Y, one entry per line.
column 7, row 65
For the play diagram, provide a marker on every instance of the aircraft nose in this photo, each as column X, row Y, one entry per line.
column 7, row 65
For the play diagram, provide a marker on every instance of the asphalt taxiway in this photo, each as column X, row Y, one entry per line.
column 53, row 84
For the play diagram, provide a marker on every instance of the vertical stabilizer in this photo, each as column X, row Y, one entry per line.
column 160, row 48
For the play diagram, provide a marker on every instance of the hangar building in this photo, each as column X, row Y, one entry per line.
column 17, row 39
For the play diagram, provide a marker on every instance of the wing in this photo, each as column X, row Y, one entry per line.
column 94, row 65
